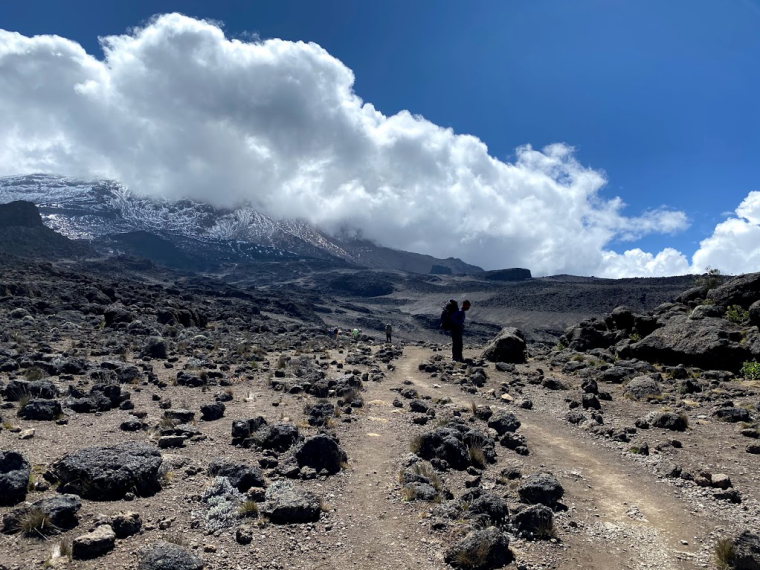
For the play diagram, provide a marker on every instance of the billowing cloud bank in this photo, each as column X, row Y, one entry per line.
column 177, row 110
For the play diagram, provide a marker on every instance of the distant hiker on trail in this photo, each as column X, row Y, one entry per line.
column 356, row 333
column 388, row 332
column 457, row 330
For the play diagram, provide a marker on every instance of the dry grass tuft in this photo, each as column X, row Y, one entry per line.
column 249, row 509
column 36, row 522
column 725, row 553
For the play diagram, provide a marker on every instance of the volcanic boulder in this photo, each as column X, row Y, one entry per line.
column 108, row 473
column 14, row 477
column 508, row 346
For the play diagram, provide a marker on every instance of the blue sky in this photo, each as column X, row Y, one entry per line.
column 660, row 96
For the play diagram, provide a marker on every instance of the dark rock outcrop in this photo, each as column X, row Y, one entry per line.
column 321, row 453
column 508, row 346
column 240, row 475
column 14, row 477
column 480, row 550
column 61, row 512
column 541, row 488
column 168, row 556
column 707, row 343
column 287, row 504
column 108, row 473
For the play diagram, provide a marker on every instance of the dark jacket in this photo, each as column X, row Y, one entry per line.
column 457, row 321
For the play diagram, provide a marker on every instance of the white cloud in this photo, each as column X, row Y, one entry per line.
column 638, row 263
column 734, row 246
column 177, row 110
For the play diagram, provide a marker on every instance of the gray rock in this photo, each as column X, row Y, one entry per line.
column 480, row 550
column 42, row 410
column 668, row 420
column 61, row 511
column 754, row 313
column 540, row 488
column 702, row 311
column 168, row 556
column 179, row 415
column 490, row 508
column 444, row 443
column 126, row 524
column 14, row 477
column 747, row 551
column 321, row 452
column 504, row 422
column 642, row 387
column 732, row 415
column 622, row 318
column 211, row 412
column 286, row 504
column 241, row 476
column 590, row 401
column 278, row 437
column 742, row 290
column 320, row 413
column 709, row 343
column 108, row 473
column 93, row 544
column 508, row 346
column 419, row 491
column 155, row 347
column 535, row 520
column 168, row 441
column 44, row 389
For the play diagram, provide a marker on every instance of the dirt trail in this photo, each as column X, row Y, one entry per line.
column 631, row 521
column 390, row 531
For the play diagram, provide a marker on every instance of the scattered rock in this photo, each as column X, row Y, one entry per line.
column 321, row 453
column 508, row 346
column 241, row 476
column 14, row 477
column 126, row 524
column 541, row 488
column 93, row 544
column 168, row 556
column 286, row 504
column 480, row 550
column 108, row 473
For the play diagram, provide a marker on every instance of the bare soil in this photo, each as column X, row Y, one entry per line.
column 619, row 513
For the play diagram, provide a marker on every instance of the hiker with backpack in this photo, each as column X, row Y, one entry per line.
column 452, row 320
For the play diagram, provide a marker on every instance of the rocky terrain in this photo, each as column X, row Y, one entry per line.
column 154, row 419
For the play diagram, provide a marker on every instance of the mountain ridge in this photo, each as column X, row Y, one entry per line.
column 101, row 210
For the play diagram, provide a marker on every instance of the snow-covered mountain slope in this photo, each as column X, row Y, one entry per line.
column 102, row 211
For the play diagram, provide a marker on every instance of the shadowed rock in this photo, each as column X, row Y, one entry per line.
column 508, row 346
column 168, row 556
column 14, row 477
column 108, row 473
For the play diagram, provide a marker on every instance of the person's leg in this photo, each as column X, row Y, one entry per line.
column 456, row 346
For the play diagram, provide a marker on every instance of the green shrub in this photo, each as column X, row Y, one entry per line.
column 710, row 278
column 751, row 370
column 34, row 373
column 736, row 314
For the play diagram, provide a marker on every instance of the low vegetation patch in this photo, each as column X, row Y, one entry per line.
column 737, row 315
column 36, row 522
column 751, row 370
column 725, row 553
